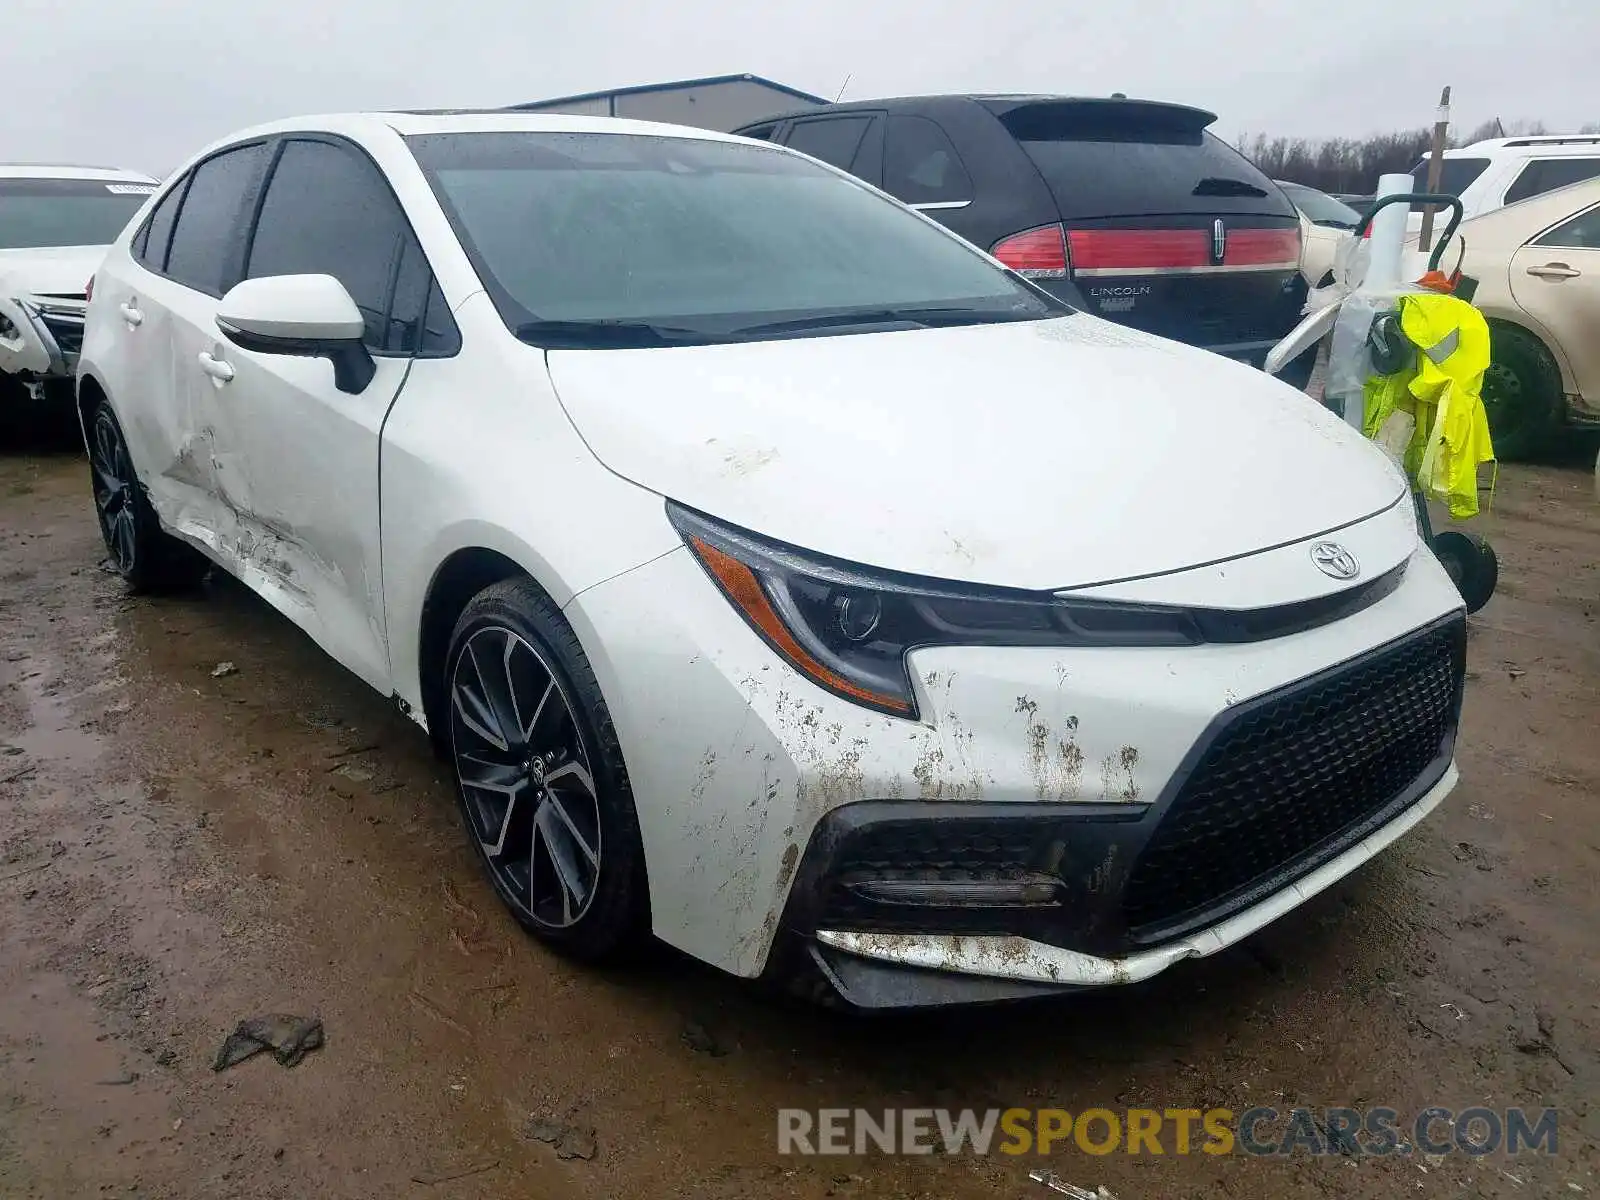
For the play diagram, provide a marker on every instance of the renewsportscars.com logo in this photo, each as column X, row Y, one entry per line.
column 1256, row 1131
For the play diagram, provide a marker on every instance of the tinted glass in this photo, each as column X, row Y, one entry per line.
column 1454, row 176
column 920, row 165
column 419, row 320
column 1321, row 208
column 66, row 212
column 1547, row 174
column 763, row 132
column 205, row 244
column 591, row 227
column 833, row 141
column 327, row 211
column 1580, row 233
column 158, row 229
column 1127, row 162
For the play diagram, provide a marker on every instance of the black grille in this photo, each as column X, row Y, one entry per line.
column 67, row 333
column 1294, row 778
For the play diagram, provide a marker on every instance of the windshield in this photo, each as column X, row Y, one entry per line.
column 651, row 240
column 66, row 212
column 1321, row 208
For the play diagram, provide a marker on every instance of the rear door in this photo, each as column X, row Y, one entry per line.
column 1556, row 278
column 1167, row 229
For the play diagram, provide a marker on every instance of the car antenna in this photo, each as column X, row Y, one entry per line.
column 849, row 75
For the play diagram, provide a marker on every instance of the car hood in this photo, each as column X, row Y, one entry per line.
column 49, row 271
column 1042, row 455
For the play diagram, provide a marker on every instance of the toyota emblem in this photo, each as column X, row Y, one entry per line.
column 1334, row 560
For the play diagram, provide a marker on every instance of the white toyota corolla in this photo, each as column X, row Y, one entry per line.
column 780, row 573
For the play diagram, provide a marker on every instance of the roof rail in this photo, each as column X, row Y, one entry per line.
column 1556, row 139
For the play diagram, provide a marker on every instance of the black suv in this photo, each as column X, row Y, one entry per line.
column 1158, row 223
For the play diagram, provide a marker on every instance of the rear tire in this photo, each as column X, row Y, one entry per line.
column 148, row 559
column 1521, row 393
column 540, row 780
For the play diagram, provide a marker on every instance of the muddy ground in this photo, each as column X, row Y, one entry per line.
column 180, row 849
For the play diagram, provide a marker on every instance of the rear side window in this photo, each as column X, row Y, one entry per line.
column 1455, row 176
column 1582, row 232
column 834, row 140
column 761, row 132
column 152, row 245
column 920, row 166
column 205, row 244
column 328, row 211
column 1546, row 174
column 1136, row 160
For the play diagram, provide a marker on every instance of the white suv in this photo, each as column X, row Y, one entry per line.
column 55, row 225
column 778, row 572
column 1498, row 171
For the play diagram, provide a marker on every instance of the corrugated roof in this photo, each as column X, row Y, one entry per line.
column 675, row 86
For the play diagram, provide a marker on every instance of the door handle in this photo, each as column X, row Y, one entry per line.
column 131, row 314
column 215, row 367
column 1555, row 270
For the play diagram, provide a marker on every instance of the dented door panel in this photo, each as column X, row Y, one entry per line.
column 294, row 472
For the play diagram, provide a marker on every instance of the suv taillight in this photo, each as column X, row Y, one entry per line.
column 88, row 290
column 1035, row 253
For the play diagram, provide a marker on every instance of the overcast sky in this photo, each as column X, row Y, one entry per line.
column 144, row 84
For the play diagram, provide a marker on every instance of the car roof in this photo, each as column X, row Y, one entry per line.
column 999, row 103
column 370, row 126
column 71, row 171
column 1530, row 146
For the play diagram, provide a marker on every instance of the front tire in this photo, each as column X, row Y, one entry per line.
column 540, row 779
column 1521, row 393
column 147, row 559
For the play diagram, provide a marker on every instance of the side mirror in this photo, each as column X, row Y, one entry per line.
column 307, row 315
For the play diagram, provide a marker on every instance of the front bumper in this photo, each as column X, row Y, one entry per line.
column 876, row 970
column 41, row 338
column 746, row 778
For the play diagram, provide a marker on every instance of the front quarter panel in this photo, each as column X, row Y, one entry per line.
column 477, row 453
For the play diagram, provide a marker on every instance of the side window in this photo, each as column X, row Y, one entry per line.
column 1582, row 232
column 832, row 139
column 763, row 132
column 328, row 211
column 419, row 321
column 204, row 253
column 920, row 165
column 1546, row 174
column 151, row 247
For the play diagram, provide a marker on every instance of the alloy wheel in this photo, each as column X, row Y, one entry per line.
column 113, row 491
column 525, row 776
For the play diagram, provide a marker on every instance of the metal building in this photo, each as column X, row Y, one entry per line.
column 721, row 102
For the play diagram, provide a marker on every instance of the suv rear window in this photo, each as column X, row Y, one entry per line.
column 1104, row 159
column 1457, row 174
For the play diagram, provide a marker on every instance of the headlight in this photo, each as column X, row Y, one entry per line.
column 848, row 628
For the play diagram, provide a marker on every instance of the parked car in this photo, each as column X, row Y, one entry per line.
column 1325, row 224
column 776, row 571
column 1130, row 207
column 1537, row 266
column 55, row 225
column 1498, row 171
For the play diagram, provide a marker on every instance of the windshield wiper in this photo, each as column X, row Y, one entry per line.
column 1216, row 185
column 924, row 317
column 610, row 335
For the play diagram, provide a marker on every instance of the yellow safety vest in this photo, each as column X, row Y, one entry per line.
column 1443, row 391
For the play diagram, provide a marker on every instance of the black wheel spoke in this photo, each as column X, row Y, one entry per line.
column 526, row 783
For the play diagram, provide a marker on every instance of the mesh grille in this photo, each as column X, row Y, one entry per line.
column 1280, row 784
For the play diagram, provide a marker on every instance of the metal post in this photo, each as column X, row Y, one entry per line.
column 1441, row 126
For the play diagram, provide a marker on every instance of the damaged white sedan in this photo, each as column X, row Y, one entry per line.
column 55, row 225
column 780, row 574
